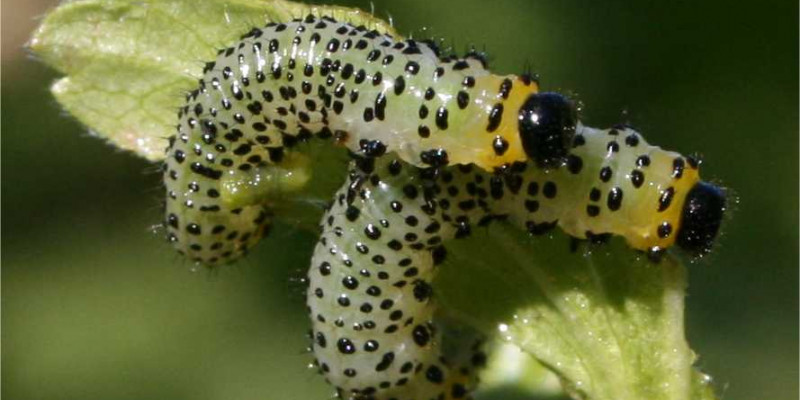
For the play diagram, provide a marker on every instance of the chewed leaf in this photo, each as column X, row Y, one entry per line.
column 128, row 64
column 609, row 324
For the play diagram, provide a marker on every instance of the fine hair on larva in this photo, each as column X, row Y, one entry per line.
column 440, row 145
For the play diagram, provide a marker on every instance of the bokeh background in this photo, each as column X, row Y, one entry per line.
column 96, row 306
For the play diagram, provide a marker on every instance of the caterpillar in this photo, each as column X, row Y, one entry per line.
column 370, row 292
column 370, row 93
column 441, row 145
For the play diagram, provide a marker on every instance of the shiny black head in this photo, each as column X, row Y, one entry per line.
column 546, row 128
column 702, row 216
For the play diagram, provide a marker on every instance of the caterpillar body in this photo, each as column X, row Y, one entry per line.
column 316, row 77
column 442, row 145
column 370, row 291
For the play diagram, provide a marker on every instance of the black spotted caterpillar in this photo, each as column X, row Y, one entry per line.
column 441, row 145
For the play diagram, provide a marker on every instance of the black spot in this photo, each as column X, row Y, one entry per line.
column 421, row 335
column 594, row 194
column 434, row 374
column 321, row 342
column 441, row 118
column 386, row 361
column 637, row 178
column 273, row 45
column 242, row 149
column 495, row 117
column 462, row 99
column 665, row 199
column 347, row 71
column 371, row 346
column 369, row 114
column 350, row 282
column 460, row 65
column 372, row 148
column 614, row 199
column 531, row 205
column 352, row 213
column 677, row 167
column 435, row 157
column 325, row 268
column 605, row 174
column 372, row 232
column 205, row 171
column 346, row 346
column 396, row 205
column 399, row 85
column 395, row 167
column 333, row 45
column 374, row 291
column 380, row 106
column 423, row 111
column 505, row 88
column 499, row 145
column 592, row 210
column 664, row 230
column 373, row 55
column 423, row 131
column 574, row 164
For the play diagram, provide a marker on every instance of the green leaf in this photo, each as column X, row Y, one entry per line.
column 609, row 324
column 128, row 63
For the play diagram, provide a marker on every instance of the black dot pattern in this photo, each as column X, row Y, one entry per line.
column 370, row 285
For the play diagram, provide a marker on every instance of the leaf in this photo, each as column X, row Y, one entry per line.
column 128, row 63
column 609, row 324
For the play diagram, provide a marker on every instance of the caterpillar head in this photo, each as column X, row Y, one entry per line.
column 702, row 215
column 546, row 128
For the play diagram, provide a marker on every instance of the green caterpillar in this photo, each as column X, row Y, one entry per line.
column 441, row 146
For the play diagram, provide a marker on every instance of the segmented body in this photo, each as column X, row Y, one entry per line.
column 370, row 289
column 321, row 78
column 409, row 116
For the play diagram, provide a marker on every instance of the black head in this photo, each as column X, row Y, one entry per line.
column 702, row 216
column 546, row 128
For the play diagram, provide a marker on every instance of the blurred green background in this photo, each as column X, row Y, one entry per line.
column 96, row 306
